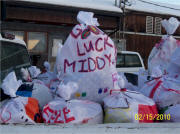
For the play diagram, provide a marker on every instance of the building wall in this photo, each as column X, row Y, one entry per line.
column 54, row 22
column 136, row 37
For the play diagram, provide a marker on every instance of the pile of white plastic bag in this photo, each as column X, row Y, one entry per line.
column 18, row 109
column 85, row 82
column 164, row 69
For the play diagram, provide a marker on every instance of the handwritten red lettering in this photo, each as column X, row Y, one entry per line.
column 96, row 45
column 66, row 63
column 109, row 58
column 107, row 43
column 5, row 120
column 66, row 111
column 98, row 63
column 78, row 51
column 82, row 66
column 91, row 48
column 89, row 64
column 47, row 109
column 76, row 35
column 58, row 117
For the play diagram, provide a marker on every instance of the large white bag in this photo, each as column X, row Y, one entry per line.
column 34, row 71
column 88, row 58
column 36, row 89
column 172, row 114
column 138, row 108
column 42, row 93
column 10, row 84
column 161, row 53
column 174, row 65
column 20, row 110
column 73, row 112
column 175, row 58
column 164, row 91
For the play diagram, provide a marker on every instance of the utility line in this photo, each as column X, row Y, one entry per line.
column 159, row 5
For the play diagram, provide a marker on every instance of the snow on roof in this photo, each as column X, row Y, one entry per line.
column 104, row 5
column 154, row 7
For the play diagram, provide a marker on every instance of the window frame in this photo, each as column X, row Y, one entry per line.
column 46, row 42
column 124, row 59
column 149, row 18
column 156, row 28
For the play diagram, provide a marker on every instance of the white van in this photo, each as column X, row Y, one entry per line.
column 129, row 62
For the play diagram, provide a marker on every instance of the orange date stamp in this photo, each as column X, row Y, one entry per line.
column 151, row 117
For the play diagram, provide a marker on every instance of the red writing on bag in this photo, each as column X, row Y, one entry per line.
column 90, row 64
column 56, row 116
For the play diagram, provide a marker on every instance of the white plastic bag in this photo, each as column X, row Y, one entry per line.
column 25, row 74
column 89, row 55
column 172, row 114
column 66, row 91
column 170, row 25
column 47, row 66
column 174, row 66
column 34, row 71
column 138, row 108
column 87, row 18
column 42, row 93
column 10, row 84
column 156, row 72
column 142, row 77
column 174, row 71
column 124, row 83
column 73, row 112
column 56, row 68
column 20, row 110
column 161, row 53
column 164, row 91
column 176, row 56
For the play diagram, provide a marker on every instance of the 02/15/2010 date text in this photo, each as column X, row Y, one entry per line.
column 159, row 117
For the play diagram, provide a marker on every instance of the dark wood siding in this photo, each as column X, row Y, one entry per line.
column 142, row 44
column 140, row 41
column 53, row 17
column 135, row 23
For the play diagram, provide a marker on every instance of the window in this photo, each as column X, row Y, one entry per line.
column 18, row 34
column 128, row 60
column 149, row 24
column 37, row 42
column 157, row 28
column 13, row 57
column 120, row 60
column 132, row 60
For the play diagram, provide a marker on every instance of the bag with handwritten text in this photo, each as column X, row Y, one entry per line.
column 88, row 58
column 20, row 110
column 16, row 109
column 73, row 112
column 162, row 52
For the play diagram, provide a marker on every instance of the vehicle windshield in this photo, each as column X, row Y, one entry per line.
column 128, row 60
column 14, row 56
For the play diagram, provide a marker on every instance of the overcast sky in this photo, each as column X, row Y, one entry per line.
column 168, row 1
